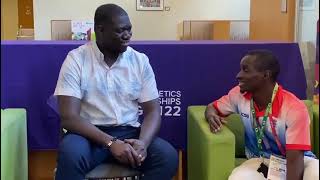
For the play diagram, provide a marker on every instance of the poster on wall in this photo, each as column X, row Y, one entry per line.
column 82, row 30
column 316, row 69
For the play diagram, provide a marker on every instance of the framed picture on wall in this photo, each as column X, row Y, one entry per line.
column 149, row 5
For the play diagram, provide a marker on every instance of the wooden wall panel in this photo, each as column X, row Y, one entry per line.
column 221, row 30
column 267, row 22
column 9, row 19
column 25, row 13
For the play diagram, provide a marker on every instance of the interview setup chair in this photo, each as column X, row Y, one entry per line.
column 214, row 156
column 14, row 144
column 104, row 171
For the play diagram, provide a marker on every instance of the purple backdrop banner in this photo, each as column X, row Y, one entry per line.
column 187, row 73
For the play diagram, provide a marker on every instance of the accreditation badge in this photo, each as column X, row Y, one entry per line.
column 277, row 168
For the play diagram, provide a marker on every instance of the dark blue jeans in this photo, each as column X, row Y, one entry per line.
column 77, row 156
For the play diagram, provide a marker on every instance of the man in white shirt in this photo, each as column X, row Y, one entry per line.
column 99, row 89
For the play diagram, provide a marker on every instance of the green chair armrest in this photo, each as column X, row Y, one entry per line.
column 313, row 110
column 14, row 152
column 210, row 156
column 309, row 105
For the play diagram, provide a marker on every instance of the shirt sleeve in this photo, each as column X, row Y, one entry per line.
column 149, row 89
column 298, row 128
column 69, row 78
column 227, row 104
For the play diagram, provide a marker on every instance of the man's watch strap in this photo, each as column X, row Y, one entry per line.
column 111, row 142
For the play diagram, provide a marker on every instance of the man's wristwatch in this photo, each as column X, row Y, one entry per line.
column 111, row 142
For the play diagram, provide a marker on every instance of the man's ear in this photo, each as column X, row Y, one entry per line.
column 267, row 74
column 98, row 28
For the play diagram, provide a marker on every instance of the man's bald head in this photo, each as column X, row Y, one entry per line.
column 105, row 13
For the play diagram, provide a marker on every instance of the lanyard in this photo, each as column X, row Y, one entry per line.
column 259, row 131
column 276, row 137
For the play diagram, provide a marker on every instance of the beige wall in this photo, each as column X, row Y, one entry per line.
column 147, row 25
column 9, row 19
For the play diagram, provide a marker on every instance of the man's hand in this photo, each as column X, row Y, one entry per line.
column 125, row 153
column 140, row 148
column 214, row 120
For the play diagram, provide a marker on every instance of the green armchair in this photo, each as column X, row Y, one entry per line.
column 14, row 152
column 214, row 156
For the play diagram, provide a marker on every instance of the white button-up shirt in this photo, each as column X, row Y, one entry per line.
column 109, row 95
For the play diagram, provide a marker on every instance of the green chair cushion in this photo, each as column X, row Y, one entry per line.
column 14, row 152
